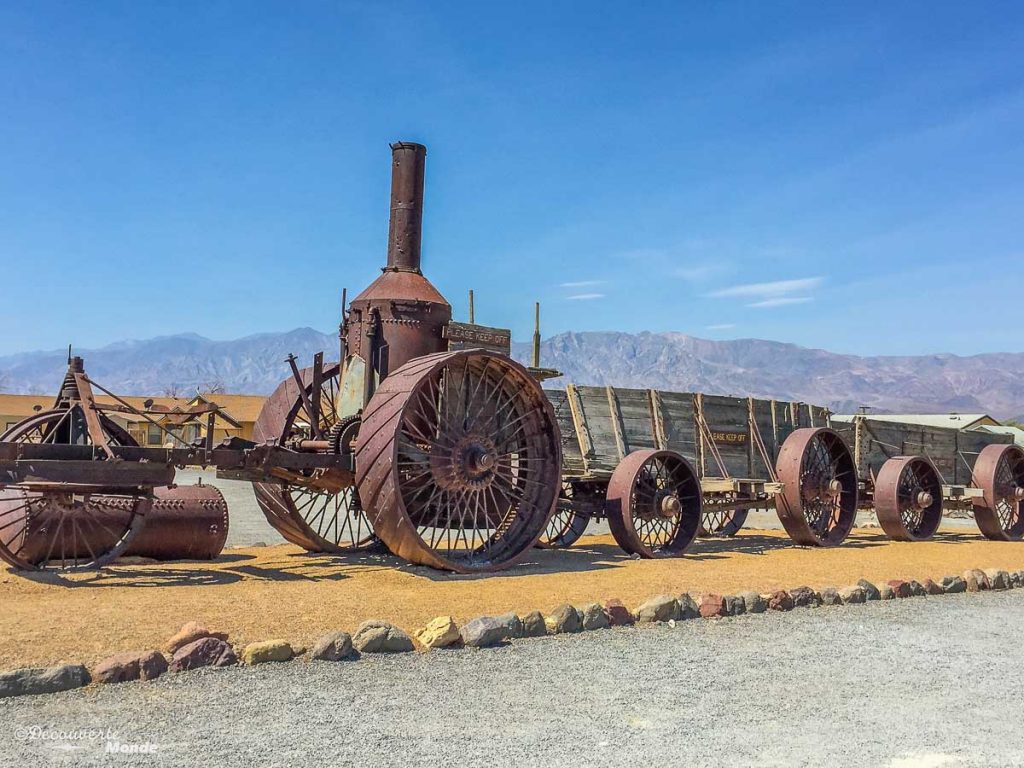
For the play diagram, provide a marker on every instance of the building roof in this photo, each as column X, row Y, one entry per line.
column 1016, row 432
column 240, row 408
column 947, row 420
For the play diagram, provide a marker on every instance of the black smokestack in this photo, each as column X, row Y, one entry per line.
column 405, row 231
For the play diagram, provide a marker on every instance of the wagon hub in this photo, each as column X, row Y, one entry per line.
column 924, row 500
column 470, row 463
column 670, row 506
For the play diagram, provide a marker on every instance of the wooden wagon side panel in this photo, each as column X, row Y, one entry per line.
column 604, row 425
column 637, row 419
column 765, row 421
column 969, row 445
column 572, row 456
column 677, row 418
column 728, row 426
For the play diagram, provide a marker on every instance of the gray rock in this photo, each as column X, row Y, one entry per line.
column 661, row 608
column 953, row 584
column 533, row 625
column 854, row 594
column 871, row 592
column 997, row 579
column 565, row 618
column 753, row 602
column 381, row 637
column 734, row 605
column 804, row 597
column 594, row 617
column 886, row 593
column 917, row 589
column 513, row 624
column 333, row 646
column 484, row 632
column 35, row 680
column 204, row 652
column 1017, row 579
column 688, row 608
column 830, row 596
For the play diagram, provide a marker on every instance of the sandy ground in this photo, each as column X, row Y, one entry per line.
column 280, row 591
column 921, row 683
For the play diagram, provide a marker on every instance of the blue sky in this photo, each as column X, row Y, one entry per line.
column 838, row 175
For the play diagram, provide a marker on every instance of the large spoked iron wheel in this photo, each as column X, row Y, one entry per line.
column 654, row 504
column 999, row 472
column 908, row 498
column 318, row 509
column 818, row 503
column 70, row 528
column 567, row 523
column 458, row 462
column 718, row 520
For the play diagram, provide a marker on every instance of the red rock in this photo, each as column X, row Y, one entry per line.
column 189, row 633
column 779, row 600
column 900, row 588
column 618, row 614
column 711, row 605
column 130, row 665
column 932, row 588
column 205, row 652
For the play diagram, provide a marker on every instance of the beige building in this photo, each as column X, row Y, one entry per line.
column 235, row 418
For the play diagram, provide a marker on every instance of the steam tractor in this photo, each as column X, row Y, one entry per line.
column 429, row 440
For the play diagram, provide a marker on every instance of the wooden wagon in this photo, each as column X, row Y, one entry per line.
column 732, row 446
column 911, row 473
column 662, row 467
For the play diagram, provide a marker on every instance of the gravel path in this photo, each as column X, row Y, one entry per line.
column 919, row 682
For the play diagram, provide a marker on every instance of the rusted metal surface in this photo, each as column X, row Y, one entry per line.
column 318, row 509
column 400, row 316
column 53, row 530
column 458, row 461
column 654, row 504
column 577, row 505
column 818, row 502
column 181, row 522
column 999, row 472
column 908, row 498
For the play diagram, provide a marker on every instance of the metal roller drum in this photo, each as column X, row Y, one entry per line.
column 184, row 522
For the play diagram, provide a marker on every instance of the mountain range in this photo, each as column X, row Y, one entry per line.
column 180, row 364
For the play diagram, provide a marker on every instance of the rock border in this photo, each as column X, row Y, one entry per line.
column 194, row 646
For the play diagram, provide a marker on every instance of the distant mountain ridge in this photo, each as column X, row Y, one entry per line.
column 990, row 383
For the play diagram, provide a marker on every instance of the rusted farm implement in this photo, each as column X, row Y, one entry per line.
column 428, row 439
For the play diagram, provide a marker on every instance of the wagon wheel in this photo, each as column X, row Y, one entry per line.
column 908, row 498
column 999, row 472
column 566, row 524
column 719, row 520
column 316, row 509
column 73, row 528
column 818, row 503
column 654, row 504
column 459, row 460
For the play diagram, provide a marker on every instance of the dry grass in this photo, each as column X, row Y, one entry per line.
column 280, row 591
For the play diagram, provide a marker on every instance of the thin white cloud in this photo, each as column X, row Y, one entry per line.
column 770, row 290
column 781, row 301
column 720, row 326
column 582, row 284
column 585, row 296
column 696, row 273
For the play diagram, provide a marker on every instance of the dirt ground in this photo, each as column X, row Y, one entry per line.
column 257, row 593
